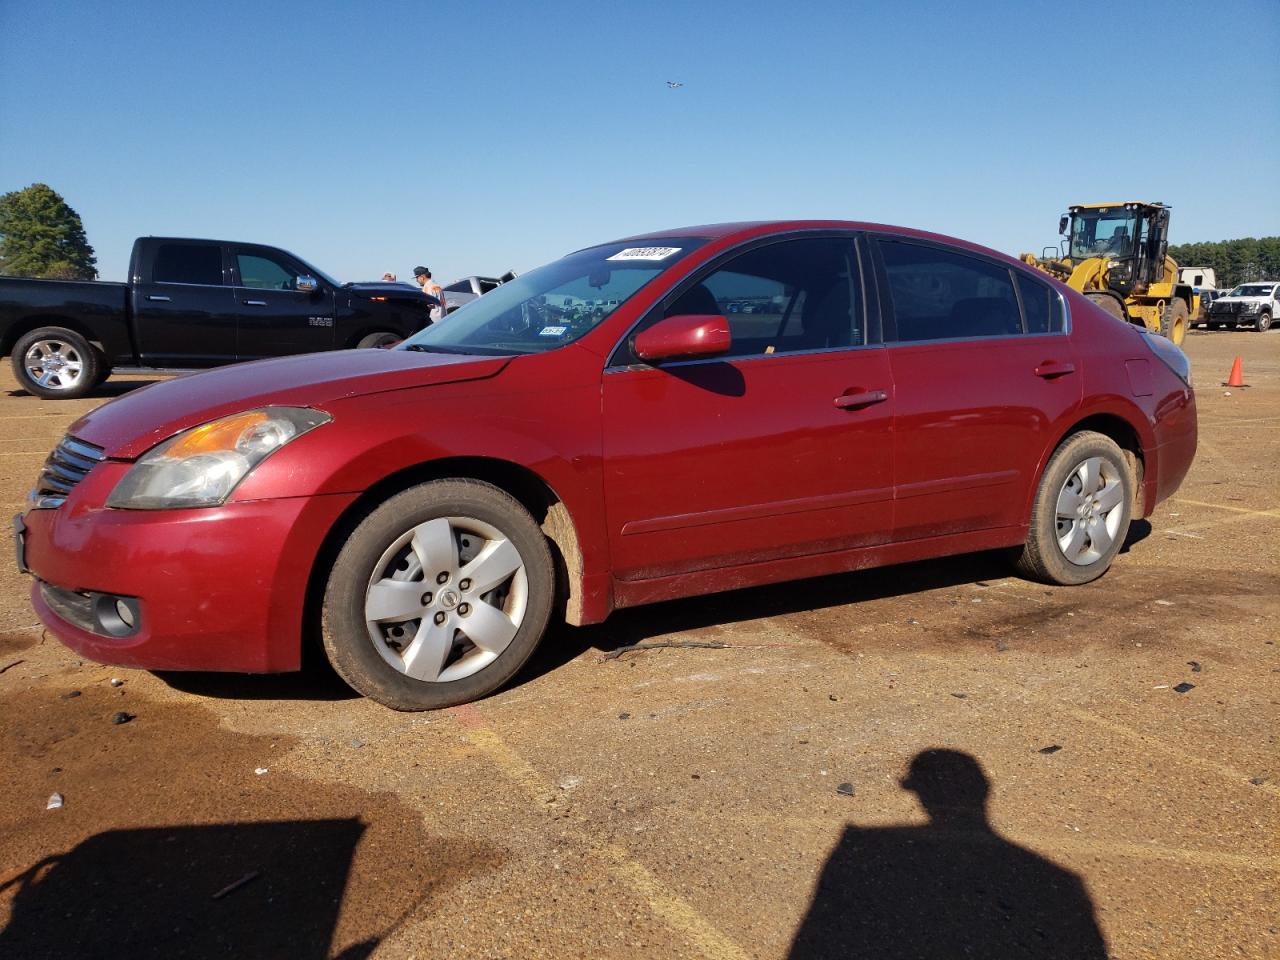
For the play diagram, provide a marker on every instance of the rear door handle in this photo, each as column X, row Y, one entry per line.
column 856, row 401
column 158, row 299
column 255, row 303
column 1054, row 368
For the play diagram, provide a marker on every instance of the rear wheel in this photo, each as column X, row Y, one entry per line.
column 1263, row 323
column 1173, row 324
column 56, row 363
column 1081, row 512
column 439, row 596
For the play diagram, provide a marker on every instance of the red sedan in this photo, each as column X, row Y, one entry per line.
column 668, row 415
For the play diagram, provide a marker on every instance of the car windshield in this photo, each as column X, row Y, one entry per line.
column 553, row 305
column 1252, row 290
column 1106, row 232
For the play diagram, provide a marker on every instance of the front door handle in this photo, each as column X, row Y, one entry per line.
column 856, row 401
column 1054, row 368
column 255, row 303
column 158, row 299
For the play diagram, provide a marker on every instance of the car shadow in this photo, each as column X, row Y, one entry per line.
column 105, row 391
column 270, row 889
column 640, row 624
column 953, row 887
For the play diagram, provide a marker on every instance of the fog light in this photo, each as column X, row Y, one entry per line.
column 115, row 616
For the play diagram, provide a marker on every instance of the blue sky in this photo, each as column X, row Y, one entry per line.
column 475, row 137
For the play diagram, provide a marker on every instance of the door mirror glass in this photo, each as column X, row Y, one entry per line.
column 305, row 283
column 686, row 336
column 1062, row 223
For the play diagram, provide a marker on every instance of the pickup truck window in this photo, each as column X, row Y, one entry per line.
column 262, row 273
column 188, row 263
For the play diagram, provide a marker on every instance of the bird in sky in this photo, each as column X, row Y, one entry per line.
column 675, row 84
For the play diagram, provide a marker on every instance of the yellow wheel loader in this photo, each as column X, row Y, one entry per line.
column 1115, row 254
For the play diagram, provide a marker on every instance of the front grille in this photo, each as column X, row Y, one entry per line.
column 69, row 463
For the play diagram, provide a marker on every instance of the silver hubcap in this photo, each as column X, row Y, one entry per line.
column 1090, row 511
column 54, row 364
column 446, row 598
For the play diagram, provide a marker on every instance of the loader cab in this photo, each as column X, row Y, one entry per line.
column 1132, row 237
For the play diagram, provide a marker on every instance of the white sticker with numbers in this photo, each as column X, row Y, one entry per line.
column 645, row 253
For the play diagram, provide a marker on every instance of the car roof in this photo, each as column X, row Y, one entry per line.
column 748, row 229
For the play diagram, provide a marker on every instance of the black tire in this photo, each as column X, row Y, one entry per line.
column 1042, row 557
column 79, row 365
column 1263, row 323
column 1213, row 326
column 348, row 639
column 382, row 338
column 1173, row 323
column 1108, row 302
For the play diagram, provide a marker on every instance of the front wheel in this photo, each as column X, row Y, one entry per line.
column 1173, row 324
column 439, row 596
column 1081, row 512
column 56, row 363
column 1263, row 323
column 381, row 339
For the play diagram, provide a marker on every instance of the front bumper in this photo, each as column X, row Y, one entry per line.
column 216, row 589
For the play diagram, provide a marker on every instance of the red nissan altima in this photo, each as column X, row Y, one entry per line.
column 674, row 414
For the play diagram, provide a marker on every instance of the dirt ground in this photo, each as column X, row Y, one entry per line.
column 933, row 760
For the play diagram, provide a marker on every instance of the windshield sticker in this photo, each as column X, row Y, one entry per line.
column 552, row 331
column 644, row 253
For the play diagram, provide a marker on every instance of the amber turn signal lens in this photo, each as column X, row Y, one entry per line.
column 219, row 435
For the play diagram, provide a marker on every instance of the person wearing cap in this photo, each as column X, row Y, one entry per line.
column 432, row 289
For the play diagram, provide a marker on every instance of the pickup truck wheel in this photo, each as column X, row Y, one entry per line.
column 439, row 596
column 381, row 339
column 1263, row 323
column 56, row 364
column 1081, row 512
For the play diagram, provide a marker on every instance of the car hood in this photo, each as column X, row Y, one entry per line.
column 130, row 425
column 1257, row 299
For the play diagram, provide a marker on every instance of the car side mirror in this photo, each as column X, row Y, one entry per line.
column 1062, row 223
column 692, row 335
column 306, row 283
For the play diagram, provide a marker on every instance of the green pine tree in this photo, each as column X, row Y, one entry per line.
column 41, row 236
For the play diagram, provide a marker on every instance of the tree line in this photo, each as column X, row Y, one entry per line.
column 1233, row 261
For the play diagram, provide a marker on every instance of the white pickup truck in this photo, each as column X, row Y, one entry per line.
column 1254, row 304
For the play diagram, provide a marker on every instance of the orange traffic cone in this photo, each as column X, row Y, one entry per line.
column 1237, row 375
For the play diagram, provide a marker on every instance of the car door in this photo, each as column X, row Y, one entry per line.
column 777, row 449
column 982, row 367
column 184, row 313
column 276, row 318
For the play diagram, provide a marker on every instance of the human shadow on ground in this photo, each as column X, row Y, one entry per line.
column 229, row 889
column 952, row 888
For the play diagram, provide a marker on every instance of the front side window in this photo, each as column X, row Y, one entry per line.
column 265, row 273
column 942, row 294
column 555, row 304
column 797, row 295
column 188, row 263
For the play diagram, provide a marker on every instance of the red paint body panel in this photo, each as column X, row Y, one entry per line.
column 680, row 479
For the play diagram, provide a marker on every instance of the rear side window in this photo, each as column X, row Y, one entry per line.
column 188, row 263
column 1043, row 307
column 941, row 294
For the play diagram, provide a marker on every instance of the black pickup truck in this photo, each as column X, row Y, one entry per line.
column 191, row 304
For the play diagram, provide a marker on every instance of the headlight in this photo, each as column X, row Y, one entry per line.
column 201, row 466
column 1251, row 306
column 1169, row 355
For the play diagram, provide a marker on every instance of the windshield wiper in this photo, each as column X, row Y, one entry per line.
column 425, row 348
